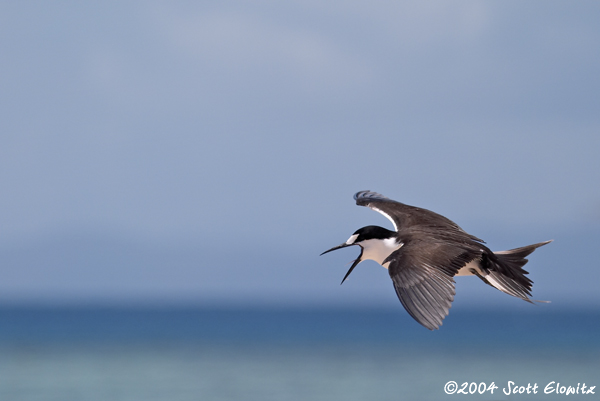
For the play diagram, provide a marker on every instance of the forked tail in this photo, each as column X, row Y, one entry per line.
column 506, row 273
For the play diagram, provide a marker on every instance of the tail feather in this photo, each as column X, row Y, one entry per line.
column 505, row 270
column 510, row 286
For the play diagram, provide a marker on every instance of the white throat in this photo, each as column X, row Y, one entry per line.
column 379, row 249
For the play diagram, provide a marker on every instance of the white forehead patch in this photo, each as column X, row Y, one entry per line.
column 352, row 239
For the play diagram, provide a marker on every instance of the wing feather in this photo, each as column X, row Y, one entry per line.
column 422, row 273
column 406, row 218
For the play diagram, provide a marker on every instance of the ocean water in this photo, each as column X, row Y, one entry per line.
column 177, row 354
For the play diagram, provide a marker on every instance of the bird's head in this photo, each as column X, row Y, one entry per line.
column 359, row 238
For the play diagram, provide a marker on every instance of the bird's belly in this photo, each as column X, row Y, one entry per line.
column 466, row 270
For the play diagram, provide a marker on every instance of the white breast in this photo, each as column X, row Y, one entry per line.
column 378, row 250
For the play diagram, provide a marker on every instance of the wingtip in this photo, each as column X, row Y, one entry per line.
column 365, row 198
column 359, row 194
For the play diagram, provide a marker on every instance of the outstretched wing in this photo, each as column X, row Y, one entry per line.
column 414, row 218
column 422, row 274
column 373, row 199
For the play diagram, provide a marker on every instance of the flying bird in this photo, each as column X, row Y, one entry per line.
column 426, row 251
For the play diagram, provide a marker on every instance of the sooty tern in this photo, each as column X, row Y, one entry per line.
column 425, row 253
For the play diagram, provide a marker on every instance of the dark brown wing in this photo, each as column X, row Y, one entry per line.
column 409, row 219
column 422, row 273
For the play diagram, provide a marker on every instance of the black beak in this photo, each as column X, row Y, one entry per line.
column 335, row 248
column 356, row 262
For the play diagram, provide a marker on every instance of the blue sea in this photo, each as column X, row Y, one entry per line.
column 288, row 354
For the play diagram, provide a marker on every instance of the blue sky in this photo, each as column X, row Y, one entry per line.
column 208, row 152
